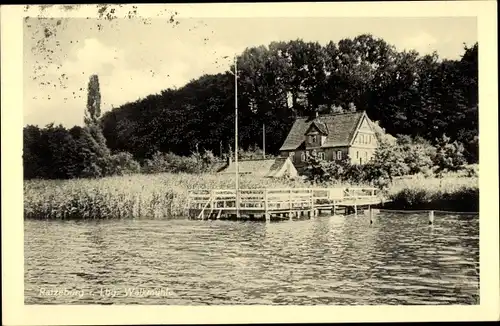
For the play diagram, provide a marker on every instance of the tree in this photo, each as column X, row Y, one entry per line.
column 88, row 152
column 63, row 149
column 406, row 92
column 418, row 154
column 386, row 163
column 93, row 111
column 99, row 162
column 50, row 153
column 317, row 170
column 123, row 163
column 33, row 165
column 449, row 155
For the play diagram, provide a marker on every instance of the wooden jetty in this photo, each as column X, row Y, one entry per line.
column 279, row 204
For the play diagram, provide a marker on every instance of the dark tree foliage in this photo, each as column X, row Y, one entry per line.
column 54, row 152
column 50, row 152
column 408, row 93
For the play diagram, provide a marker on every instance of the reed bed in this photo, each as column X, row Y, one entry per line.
column 165, row 195
column 137, row 196
column 450, row 193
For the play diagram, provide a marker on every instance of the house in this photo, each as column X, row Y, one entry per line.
column 270, row 168
column 332, row 137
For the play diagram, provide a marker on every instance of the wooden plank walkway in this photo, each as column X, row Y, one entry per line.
column 278, row 203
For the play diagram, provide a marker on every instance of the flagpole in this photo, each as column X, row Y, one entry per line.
column 264, row 140
column 236, row 138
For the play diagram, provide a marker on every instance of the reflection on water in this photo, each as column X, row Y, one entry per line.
column 328, row 260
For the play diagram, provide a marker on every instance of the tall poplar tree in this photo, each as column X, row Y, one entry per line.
column 101, row 156
column 93, row 101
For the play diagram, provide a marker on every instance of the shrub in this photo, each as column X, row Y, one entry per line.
column 123, row 163
column 205, row 162
column 252, row 153
column 356, row 174
column 472, row 171
column 169, row 162
column 418, row 154
column 318, row 170
column 462, row 199
column 449, row 156
column 387, row 162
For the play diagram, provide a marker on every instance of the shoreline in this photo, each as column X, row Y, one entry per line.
column 164, row 196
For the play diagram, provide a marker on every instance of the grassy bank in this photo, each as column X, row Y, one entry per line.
column 165, row 195
column 451, row 193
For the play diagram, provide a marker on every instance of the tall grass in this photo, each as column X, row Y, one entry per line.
column 136, row 196
column 450, row 193
column 165, row 195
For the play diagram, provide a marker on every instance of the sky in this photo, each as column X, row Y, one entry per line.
column 136, row 57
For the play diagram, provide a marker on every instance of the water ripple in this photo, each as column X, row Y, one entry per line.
column 328, row 260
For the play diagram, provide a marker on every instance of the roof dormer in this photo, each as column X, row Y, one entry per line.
column 317, row 127
column 316, row 134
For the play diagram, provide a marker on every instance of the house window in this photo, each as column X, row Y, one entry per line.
column 291, row 155
column 339, row 155
column 303, row 157
column 321, row 155
column 357, row 154
column 366, row 156
column 361, row 140
column 313, row 139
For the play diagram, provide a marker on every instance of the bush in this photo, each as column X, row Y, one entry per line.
column 123, row 163
column 462, row 199
column 449, row 156
column 318, row 170
column 252, row 153
column 471, row 171
column 321, row 171
column 418, row 154
column 169, row 162
column 206, row 161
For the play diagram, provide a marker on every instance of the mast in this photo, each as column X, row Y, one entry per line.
column 264, row 140
column 236, row 137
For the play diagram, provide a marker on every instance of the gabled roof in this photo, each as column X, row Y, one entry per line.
column 319, row 125
column 340, row 129
column 268, row 167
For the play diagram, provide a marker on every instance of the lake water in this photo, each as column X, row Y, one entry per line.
column 398, row 260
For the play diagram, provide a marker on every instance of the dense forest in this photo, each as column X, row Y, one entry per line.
column 407, row 93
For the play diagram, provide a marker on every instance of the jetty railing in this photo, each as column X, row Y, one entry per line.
column 280, row 199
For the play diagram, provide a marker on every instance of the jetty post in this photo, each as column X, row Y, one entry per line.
column 431, row 217
column 370, row 213
column 355, row 206
column 311, row 212
column 266, row 207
